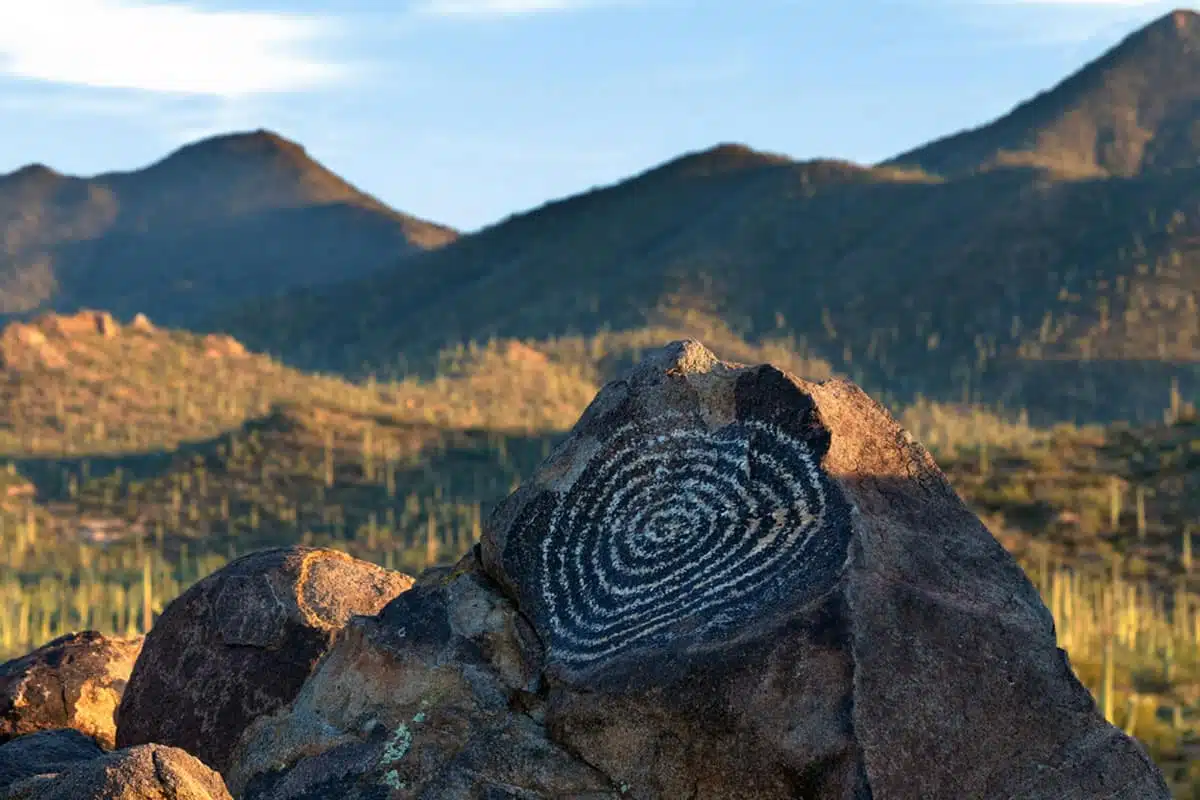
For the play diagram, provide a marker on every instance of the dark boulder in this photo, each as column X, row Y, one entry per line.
column 44, row 752
column 240, row 643
column 146, row 772
column 419, row 698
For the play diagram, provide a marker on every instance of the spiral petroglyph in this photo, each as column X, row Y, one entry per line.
column 673, row 528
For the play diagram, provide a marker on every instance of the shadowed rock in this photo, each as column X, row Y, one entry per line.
column 147, row 772
column 44, row 752
column 724, row 548
column 420, row 697
column 241, row 642
column 726, row 582
column 75, row 681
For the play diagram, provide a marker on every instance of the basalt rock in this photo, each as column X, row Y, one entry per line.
column 420, row 700
column 747, row 585
column 75, row 681
column 146, row 772
column 726, row 582
column 240, row 644
column 44, row 752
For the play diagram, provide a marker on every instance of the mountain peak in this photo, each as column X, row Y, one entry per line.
column 31, row 173
column 723, row 157
column 243, row 171
column 260, row 143
column 229, row 217
column 1182, row 20
column 1128, row 112
column 1170, row 30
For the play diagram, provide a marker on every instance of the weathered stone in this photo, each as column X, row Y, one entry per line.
column 146, row 772
column 75, row 681
column 726, row 582
column 747, row 585
column 82, row 323
column 220, row 345
column 418, row 700
column 240, row 643
column 44, row 752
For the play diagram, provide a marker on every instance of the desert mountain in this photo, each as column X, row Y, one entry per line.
column 1071, row 292
column 1133, row 110
column 228, row 218
column 1073, row 299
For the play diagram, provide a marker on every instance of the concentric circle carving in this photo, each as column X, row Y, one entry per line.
column 674, row 529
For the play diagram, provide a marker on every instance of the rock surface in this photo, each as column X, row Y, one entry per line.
column 75, row 681
column 726, row 582
column 418, row 700
column 146, row 772
column 241, row 642
column 44, row 752
column 707, row 528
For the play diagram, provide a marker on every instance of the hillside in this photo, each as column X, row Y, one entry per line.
column 108, row 421
column 221, row 220
column 1132, row 111
column 1074, row 299
column 1064, row 279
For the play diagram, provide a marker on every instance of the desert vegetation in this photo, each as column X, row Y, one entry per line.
column 137, row 460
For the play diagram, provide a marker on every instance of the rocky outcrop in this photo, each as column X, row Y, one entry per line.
column 48, row 340
column 58, row 341
column 44, row 752
column 726, row 582
column 75, row 681
column 240, row 644
column 142, row 324
column 83, row 323
column 425, row 697
column 220, row 345
column 147, row 772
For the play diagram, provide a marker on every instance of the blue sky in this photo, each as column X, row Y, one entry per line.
column 466, row 111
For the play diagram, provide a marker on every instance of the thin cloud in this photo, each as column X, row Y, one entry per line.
column 163, row 47
column 501, row 8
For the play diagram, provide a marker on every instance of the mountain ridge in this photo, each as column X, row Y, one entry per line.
column 1063, row 287
column 1126, row 111
column 148, row 239
column 1070, row 292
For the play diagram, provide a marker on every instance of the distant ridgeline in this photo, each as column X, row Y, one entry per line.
column 1048, row 261
column 223, row 220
